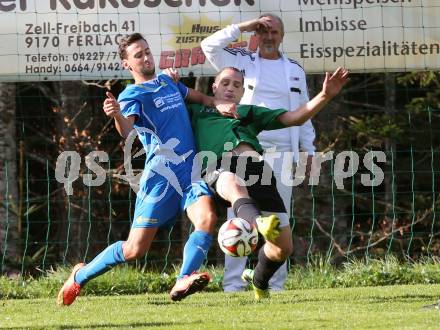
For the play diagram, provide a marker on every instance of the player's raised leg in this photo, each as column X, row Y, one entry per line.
column 233, row 189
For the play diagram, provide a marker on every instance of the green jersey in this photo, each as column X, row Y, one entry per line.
column 212, row 130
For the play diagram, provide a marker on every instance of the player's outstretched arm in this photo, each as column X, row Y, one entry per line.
column 112, row 109
column 226, row 108
column 194, row 96
column 333, row 83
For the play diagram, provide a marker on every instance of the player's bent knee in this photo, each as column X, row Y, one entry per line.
column 279, row 253
column 133, row 251
column 283, row 254
column 230, row 187
column 206, row 221
column 202, row 214
column 287, row 252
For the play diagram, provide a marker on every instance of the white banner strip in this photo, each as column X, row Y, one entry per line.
column 78, row 39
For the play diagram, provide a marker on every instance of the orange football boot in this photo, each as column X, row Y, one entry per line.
column 70, row 289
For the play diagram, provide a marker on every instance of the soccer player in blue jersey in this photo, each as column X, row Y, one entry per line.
column 155, row 107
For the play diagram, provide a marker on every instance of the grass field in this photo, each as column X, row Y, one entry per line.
column 390, row 307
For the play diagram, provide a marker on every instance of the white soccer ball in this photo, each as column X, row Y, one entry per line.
column 237, row 237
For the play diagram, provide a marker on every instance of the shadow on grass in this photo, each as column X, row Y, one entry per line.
column 112, row 325
column 404, row 298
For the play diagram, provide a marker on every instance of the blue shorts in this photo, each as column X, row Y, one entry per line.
column 159, row 203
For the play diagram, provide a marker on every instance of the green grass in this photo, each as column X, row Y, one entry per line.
column 386, row 307
column 127, row 280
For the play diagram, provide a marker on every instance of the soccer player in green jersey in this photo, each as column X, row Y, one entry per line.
column 234, row 143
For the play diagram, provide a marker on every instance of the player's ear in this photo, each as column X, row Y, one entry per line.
column 214, row 87
column 125, row 65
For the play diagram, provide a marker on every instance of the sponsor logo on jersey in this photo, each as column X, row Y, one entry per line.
column 158, row 102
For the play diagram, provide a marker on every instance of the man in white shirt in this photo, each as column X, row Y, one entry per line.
column 274, row 81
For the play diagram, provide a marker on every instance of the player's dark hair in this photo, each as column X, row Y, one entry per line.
column 233, row 69
column 127, row 41
column 275, row 17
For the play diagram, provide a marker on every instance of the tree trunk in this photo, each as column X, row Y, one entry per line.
column 9, row 221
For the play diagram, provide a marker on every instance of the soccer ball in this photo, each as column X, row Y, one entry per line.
column 237, row 237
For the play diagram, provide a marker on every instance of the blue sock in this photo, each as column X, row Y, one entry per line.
column 108, row 258
column 195, row 251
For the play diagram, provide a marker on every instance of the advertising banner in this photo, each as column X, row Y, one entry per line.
column 78, row 39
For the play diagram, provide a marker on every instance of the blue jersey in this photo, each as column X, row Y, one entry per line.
column 161, row 115
column 163, row 126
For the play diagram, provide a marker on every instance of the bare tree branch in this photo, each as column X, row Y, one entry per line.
column 379, row 240
column 106, row 85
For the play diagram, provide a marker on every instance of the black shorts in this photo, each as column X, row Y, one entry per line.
column 263, row 191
